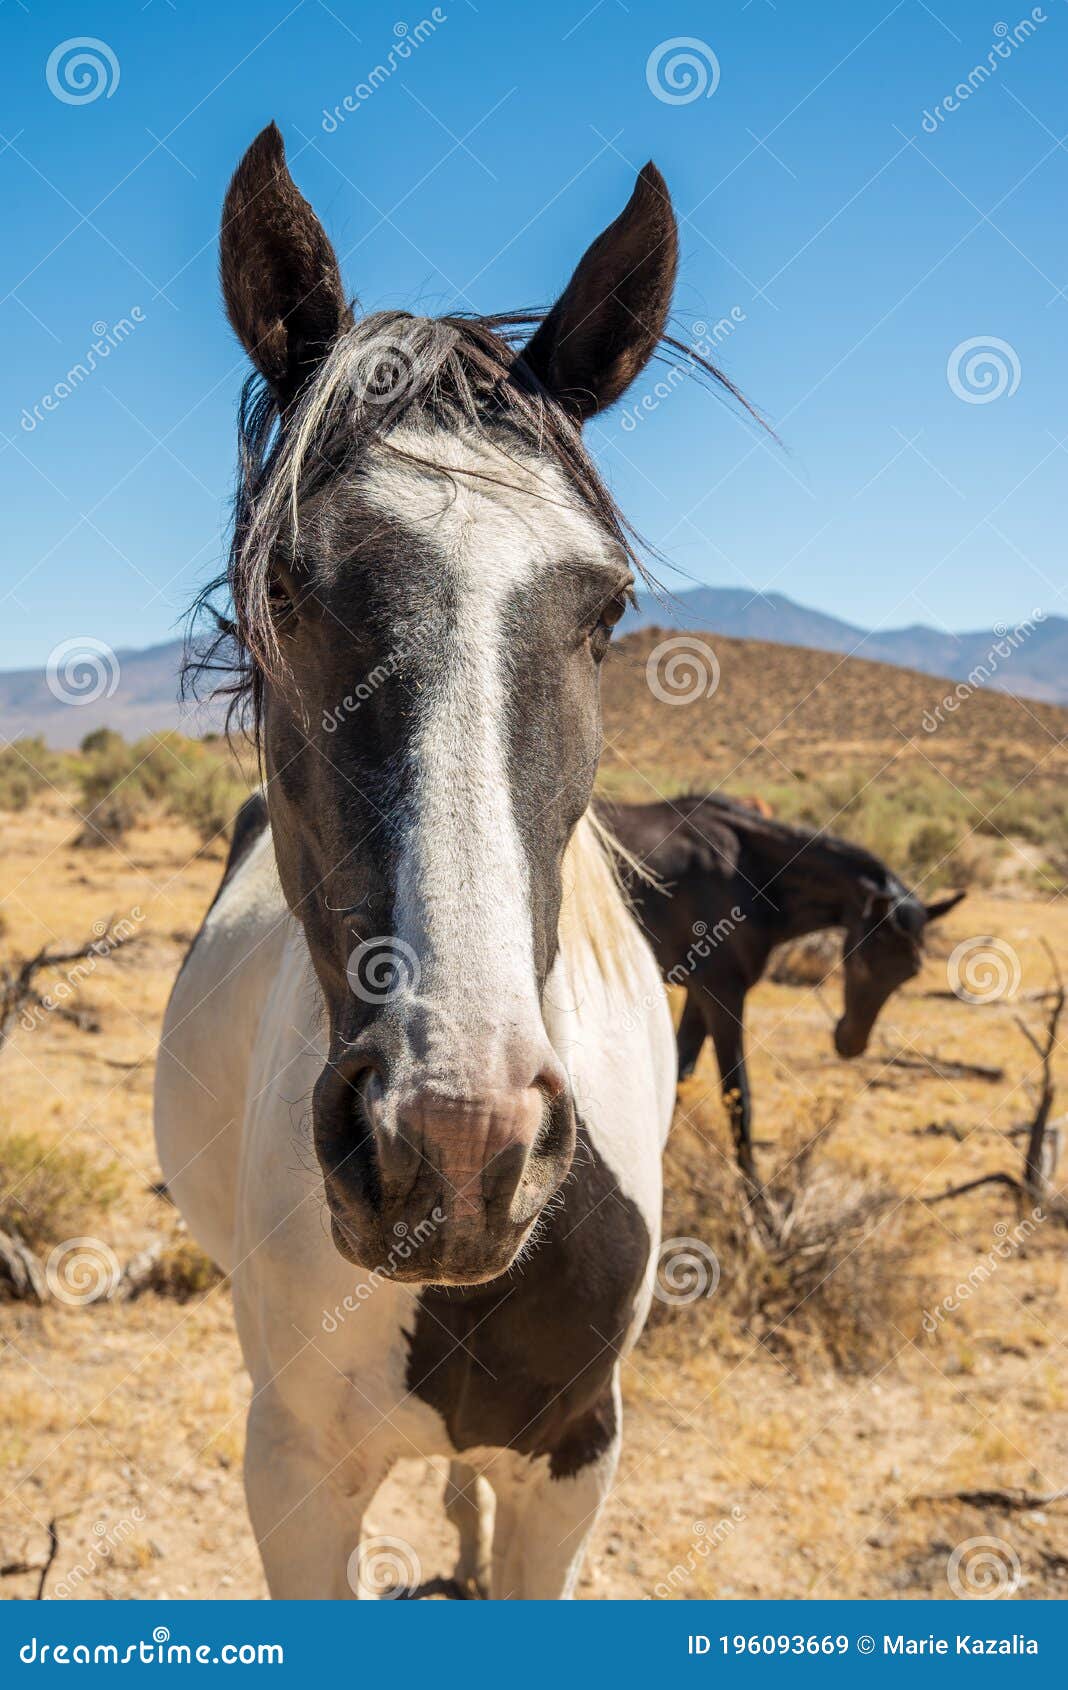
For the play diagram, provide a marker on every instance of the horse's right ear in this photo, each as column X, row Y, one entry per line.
column 280, row 276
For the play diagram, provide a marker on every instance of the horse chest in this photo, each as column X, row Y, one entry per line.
column 526, row 1363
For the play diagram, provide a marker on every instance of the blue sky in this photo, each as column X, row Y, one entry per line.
column 857, row 246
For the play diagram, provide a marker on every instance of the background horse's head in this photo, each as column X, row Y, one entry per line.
column 883, row 948
column 425, row 573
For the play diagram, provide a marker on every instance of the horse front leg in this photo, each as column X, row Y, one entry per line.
column 692, row 1033
column 724, row 1011
column 543, row 1523
column 469, row 1505
column 307, row 1510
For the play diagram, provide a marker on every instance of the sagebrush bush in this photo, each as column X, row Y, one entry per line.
column 51, row 1191
column 832, row 1270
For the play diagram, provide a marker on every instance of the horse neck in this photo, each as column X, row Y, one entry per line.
column 813, row 880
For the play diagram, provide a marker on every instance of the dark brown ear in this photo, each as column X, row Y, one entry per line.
column 605, row 326
column 280, row 276
column 942, row 906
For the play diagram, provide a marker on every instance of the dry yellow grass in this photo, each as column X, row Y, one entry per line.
column 754, row 1464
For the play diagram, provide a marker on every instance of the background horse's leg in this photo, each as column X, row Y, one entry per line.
column 723, row 1012
column 469, row 1504
column 543, row 1524
column 306, row 1517
column 692, row 1033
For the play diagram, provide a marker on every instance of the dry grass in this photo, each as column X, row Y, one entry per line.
column 51, row 1190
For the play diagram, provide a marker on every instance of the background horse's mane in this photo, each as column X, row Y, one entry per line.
column 463, row 372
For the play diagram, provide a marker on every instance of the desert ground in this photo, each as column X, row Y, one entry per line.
column 846, row 1417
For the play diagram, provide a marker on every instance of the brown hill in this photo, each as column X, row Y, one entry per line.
column 779, row 714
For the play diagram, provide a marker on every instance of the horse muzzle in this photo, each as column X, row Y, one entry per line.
column 425, row 1187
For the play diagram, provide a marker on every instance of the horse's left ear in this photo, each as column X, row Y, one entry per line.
column 942, row 906
column 607, row 323
column 280, row 276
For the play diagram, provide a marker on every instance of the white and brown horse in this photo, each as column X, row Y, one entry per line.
column 400, row 1097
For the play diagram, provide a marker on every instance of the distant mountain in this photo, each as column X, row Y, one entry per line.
column 1029, row 661
column 134, row 692
column 137, row 691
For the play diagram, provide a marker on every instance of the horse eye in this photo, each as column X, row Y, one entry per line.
column 611, row 612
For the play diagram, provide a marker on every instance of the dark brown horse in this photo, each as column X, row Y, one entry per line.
column 731, row 885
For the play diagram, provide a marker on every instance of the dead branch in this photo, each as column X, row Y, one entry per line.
column 18, row 988
column 946, row 1068
column 21, row 1271
column 1012, row 1501
column 1040, row 1156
